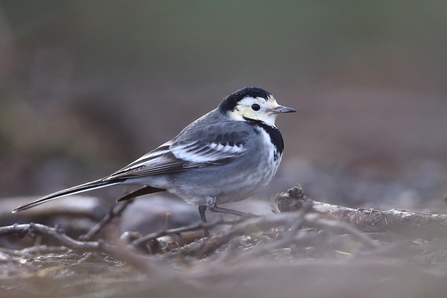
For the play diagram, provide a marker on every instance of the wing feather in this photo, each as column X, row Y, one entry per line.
column 209, row 146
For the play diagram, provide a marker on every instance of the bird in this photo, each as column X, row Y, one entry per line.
column 224, row 156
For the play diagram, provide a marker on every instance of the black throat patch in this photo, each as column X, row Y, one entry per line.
column 273, row 132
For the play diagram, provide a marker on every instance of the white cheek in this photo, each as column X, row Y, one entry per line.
column 268, row 119
column 247, row 112
column 235, row 115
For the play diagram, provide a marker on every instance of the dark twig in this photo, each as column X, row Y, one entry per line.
column 34, row 229
column 140, row 242
column 206, row 246
column 424, row 225
column 113, row 212
column 298, row 224
column 250, row 225
column 316, row 221
column 309, row 220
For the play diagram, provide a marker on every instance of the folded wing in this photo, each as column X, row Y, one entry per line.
column 212, row 145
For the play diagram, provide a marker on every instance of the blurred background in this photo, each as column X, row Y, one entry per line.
column 86, row 87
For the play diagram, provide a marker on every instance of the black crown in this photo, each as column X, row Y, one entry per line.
column 229, row 103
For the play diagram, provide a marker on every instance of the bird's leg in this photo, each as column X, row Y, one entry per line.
column 202, row 209
column 226, row 211
column 211, row 204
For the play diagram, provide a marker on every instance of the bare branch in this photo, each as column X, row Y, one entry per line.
column 34, row 229
column 113, row 212
column 369, row 220
column 205, row 246
column 196, row 226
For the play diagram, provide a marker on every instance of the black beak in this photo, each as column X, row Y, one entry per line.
column 283, row 109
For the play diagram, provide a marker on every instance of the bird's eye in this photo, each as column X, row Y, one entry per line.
column 255, row 107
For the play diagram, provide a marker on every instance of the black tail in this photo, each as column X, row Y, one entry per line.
column 144, row 190
column 69, row 191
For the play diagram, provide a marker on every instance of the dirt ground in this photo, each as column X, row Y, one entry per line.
column 87, row 87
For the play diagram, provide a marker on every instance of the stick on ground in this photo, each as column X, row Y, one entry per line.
column 423, row 225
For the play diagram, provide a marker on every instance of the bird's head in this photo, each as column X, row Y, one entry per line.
column 253, row 103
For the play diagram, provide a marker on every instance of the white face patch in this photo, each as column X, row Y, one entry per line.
column 256, row 108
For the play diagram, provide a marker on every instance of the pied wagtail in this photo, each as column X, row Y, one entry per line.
column 224, row 156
